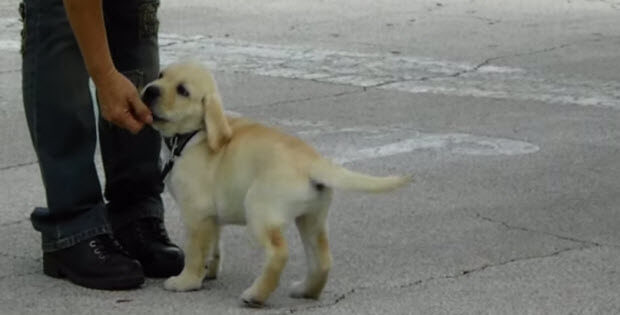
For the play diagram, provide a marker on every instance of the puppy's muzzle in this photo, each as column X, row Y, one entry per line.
column 150, row 95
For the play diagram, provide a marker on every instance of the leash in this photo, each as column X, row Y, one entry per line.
column 175, row 145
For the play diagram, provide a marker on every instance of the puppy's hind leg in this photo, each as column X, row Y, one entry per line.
column 266, row 227
column 276, row 252
column 199, row 238
column 313, row 231
column 214, row 257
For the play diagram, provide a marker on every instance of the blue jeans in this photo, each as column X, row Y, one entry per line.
column 63, row 128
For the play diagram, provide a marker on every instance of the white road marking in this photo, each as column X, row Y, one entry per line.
column 370, row 142
column 10, row 23
column 403, row 73
column 11, row 26
column 9, row 45
column 455, row 143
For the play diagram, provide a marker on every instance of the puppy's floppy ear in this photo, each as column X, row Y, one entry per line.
column 218, row 130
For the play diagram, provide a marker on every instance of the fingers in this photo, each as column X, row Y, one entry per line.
column 141, row 112
column 130, row 123
column 121, row 105
column 124, row 118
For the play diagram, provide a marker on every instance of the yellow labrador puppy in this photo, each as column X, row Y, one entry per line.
column 234, row 171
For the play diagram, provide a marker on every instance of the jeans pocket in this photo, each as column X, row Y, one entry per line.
column 136, row 77
column 148, row 23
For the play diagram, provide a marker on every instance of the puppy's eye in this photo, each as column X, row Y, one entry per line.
column 182, row 90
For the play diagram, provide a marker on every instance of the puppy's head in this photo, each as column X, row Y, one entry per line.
column 185, row 98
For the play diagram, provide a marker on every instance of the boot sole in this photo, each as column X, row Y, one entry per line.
column 164, row 271
column 54, row 269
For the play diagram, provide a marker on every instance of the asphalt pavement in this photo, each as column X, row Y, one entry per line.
column 507, row 114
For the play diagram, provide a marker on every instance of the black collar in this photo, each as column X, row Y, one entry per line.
column 175, row 145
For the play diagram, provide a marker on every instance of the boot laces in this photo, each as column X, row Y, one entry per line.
column 151, row 230
column 104, row 246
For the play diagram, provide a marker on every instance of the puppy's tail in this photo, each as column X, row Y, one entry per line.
column 335, row 176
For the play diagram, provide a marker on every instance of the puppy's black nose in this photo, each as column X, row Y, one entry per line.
column 150, row 95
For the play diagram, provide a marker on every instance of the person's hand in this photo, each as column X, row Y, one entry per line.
column 120, row 103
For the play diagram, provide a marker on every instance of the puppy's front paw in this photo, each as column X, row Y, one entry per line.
column 249, row 299
column 299, row 291
column 183, row 283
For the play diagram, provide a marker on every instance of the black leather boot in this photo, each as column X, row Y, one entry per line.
column 147, row 240
column 97, row 263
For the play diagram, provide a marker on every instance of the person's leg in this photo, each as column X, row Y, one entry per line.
column 60, row 117
column 131, row 162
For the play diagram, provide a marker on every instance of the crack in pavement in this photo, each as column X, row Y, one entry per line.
column 562, row 237
column 9, row 167
column 584, row 245
column 488, row 61
column 487, row 79
column 388, row 82
column 530, row 53
column 468, row 272
column 476, row 67
column 454, row 276
column 331, row 303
